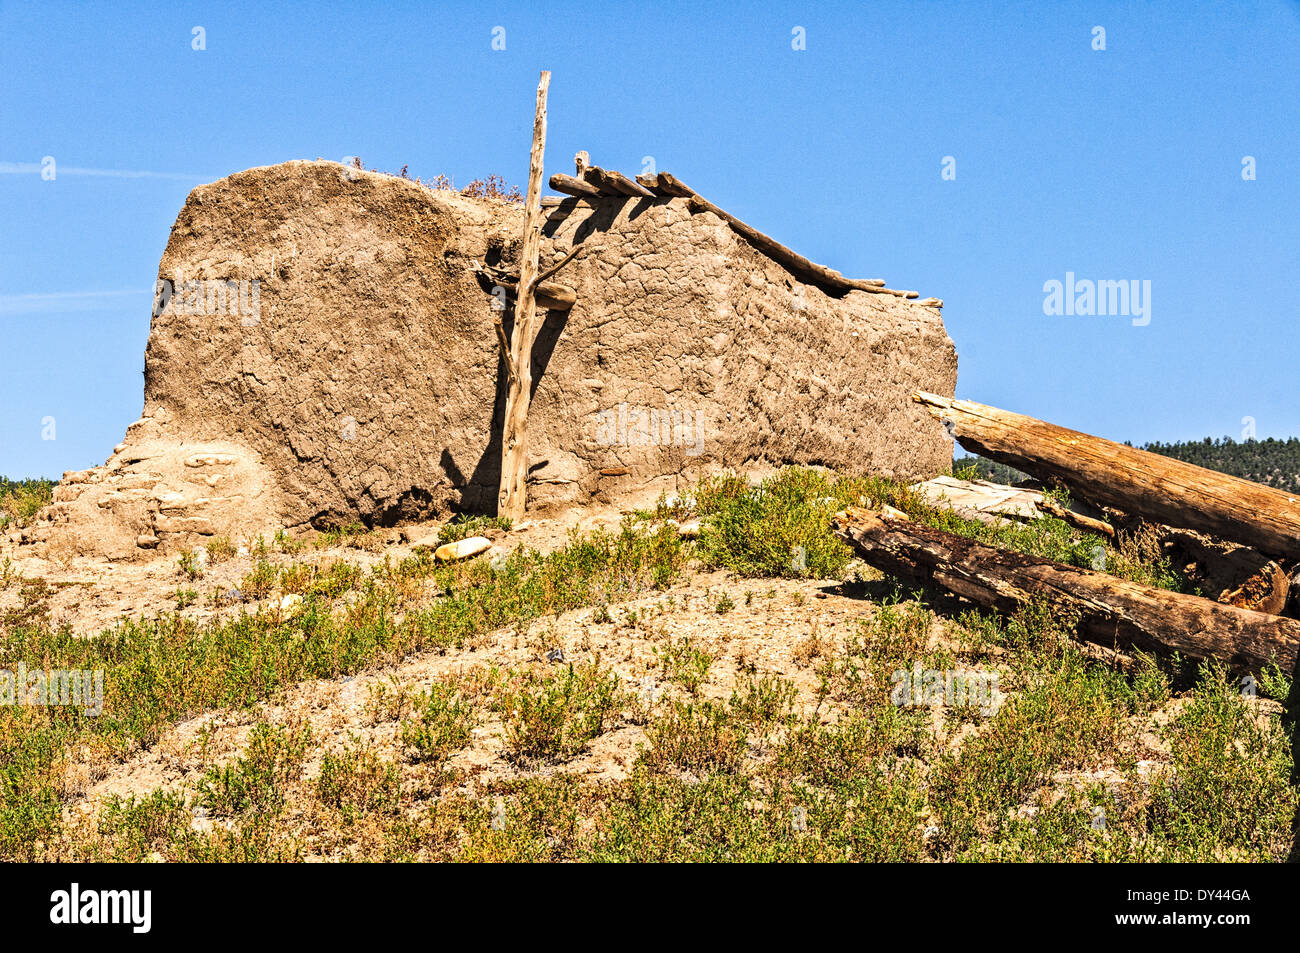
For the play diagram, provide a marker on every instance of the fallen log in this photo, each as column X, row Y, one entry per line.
column 1138, row 482
column 571, row 186
column 1113, row 612
column 1077, row 520
column 1229, row 573
column 806, row 271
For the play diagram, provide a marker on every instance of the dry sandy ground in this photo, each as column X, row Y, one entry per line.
column 777, row 627
column 93, row 594
column 786, row 628
column 780, row 627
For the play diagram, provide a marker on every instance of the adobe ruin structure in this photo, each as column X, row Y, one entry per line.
column 367, row 386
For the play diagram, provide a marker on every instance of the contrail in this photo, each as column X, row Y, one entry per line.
column 29, row 168
column 41, row 303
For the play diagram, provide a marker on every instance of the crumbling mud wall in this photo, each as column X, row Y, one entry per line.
column 359, row 378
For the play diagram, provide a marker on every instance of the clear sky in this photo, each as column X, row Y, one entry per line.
column 1117, row 164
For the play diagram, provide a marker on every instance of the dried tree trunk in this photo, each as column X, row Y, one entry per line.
column 1145, row 484
column 1113, row 612
column 1237, row 575
column 512, row 498
column 1077, row 520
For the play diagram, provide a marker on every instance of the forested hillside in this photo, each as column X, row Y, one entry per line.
column 1272, row 462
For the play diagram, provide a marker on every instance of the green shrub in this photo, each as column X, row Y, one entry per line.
column 443, row 723
column 555, row 715
column 256, row 781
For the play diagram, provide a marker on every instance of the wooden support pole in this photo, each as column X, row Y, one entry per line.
column 1113, row 612
column 512, row 497
column 1138, row 482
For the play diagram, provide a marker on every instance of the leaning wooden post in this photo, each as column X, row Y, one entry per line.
column 512, row 498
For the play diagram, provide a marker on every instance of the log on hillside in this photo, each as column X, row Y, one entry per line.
column 1138, row 482
column 806, row 271
column 1229, row 573
column 1075, row 519
column 1113, row 612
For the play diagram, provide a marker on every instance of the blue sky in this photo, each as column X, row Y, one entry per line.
column 1122, row 164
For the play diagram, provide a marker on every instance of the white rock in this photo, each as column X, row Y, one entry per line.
column 462, row 549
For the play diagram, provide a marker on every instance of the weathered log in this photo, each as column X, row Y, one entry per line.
column 610, row 182
column 1226, row 572
column 625, row 185
column 1146, row 484
column 571, row 186
column 595, row 176
column 806, row 271
column 664, row 184
column 1077, row 520
column 1112, row 612
column 549, row 295
column 567, row 203
column 671, row 185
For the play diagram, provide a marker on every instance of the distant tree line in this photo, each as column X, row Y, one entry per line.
column 981, row 468
column 1274, row 463
column 20, row 499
